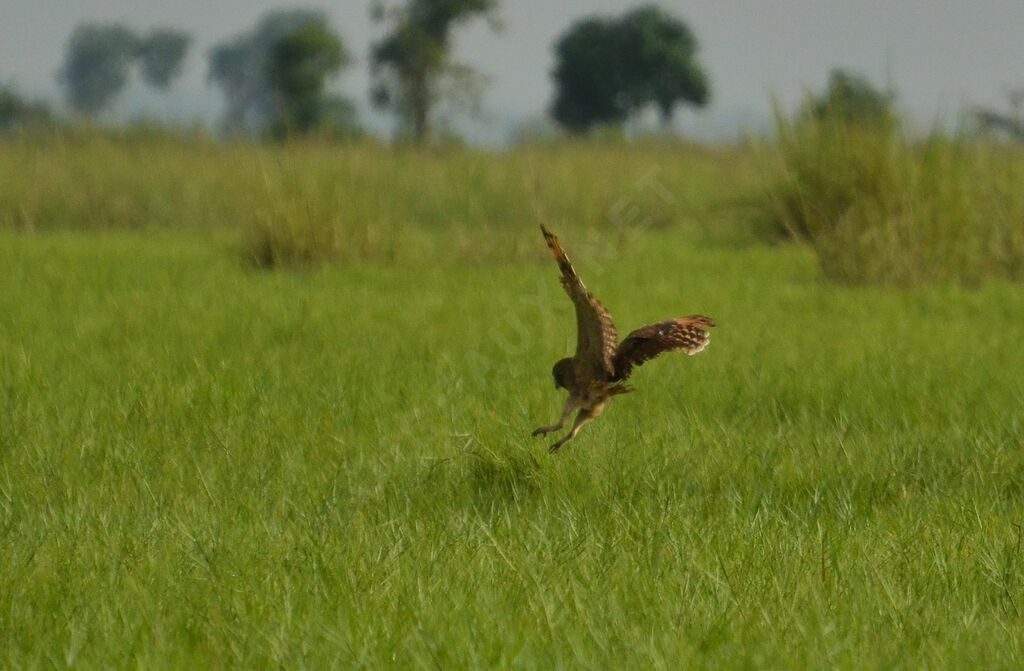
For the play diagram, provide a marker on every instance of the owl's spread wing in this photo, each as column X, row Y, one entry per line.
column 596, row 337
column 685, row 334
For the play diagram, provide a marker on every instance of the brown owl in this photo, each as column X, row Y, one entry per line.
column 601, row 363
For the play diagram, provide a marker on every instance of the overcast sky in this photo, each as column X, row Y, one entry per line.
column 939, row 55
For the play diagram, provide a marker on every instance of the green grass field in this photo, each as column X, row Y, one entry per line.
column 207, row 465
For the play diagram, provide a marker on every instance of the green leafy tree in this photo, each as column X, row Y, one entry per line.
column 1010, row 123
column 412, row 66
column 97, row 64
column 161, row 55
column 608, row 69
column 99, row 58
column 240, row 67
column 589, row 77
column 16, row 112
column 339, row 117
column 298, row 67
column 851, row 97
column 659, row 61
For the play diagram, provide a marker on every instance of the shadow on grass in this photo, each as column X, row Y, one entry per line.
column 506, row 477
column 485, row 479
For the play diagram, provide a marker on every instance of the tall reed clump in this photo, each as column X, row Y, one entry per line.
column 879, row 208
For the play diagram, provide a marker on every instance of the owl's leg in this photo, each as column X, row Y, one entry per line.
column 584, row 416
column 566, row 411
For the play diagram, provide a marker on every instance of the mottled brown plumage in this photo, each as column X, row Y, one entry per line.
column 596, row 372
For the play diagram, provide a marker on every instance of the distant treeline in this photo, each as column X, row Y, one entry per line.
column 274, row 77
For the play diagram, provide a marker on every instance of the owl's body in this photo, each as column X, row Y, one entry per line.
column 601, row 364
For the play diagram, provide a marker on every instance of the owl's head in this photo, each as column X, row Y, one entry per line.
column 563, row 373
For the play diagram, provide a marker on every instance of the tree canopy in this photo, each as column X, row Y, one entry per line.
column 97, row 63
column 99, row 58
column 257, row 70
column 659, row 54
column 411, row 62
column 161, row 55
column 1010, row 122
column 850, row 97
column 297, row 70
column 16, row 112
column 608, row 69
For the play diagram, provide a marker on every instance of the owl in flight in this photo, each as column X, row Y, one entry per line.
column 601, row 363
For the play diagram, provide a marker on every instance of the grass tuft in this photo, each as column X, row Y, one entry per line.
column 880, row 209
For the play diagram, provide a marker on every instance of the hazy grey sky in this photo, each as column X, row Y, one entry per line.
column 939, row 55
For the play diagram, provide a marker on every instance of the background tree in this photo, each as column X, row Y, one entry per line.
column 591, row 88
column 241, row 65
column 411, row 64
column 850, row 97
column 1010, row 123
column 608, row 69
column 161, row 56
column 659, row 60
column 298, row 67
column 16, row 112
column 96, row 66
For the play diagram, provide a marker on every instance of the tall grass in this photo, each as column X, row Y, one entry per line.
column 880, row 208
column 203, row 466
column 206, row 467
column 876, row 206
column 305, row 204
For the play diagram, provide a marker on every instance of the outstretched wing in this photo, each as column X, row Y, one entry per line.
column 596, row 337
column 685, row 334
